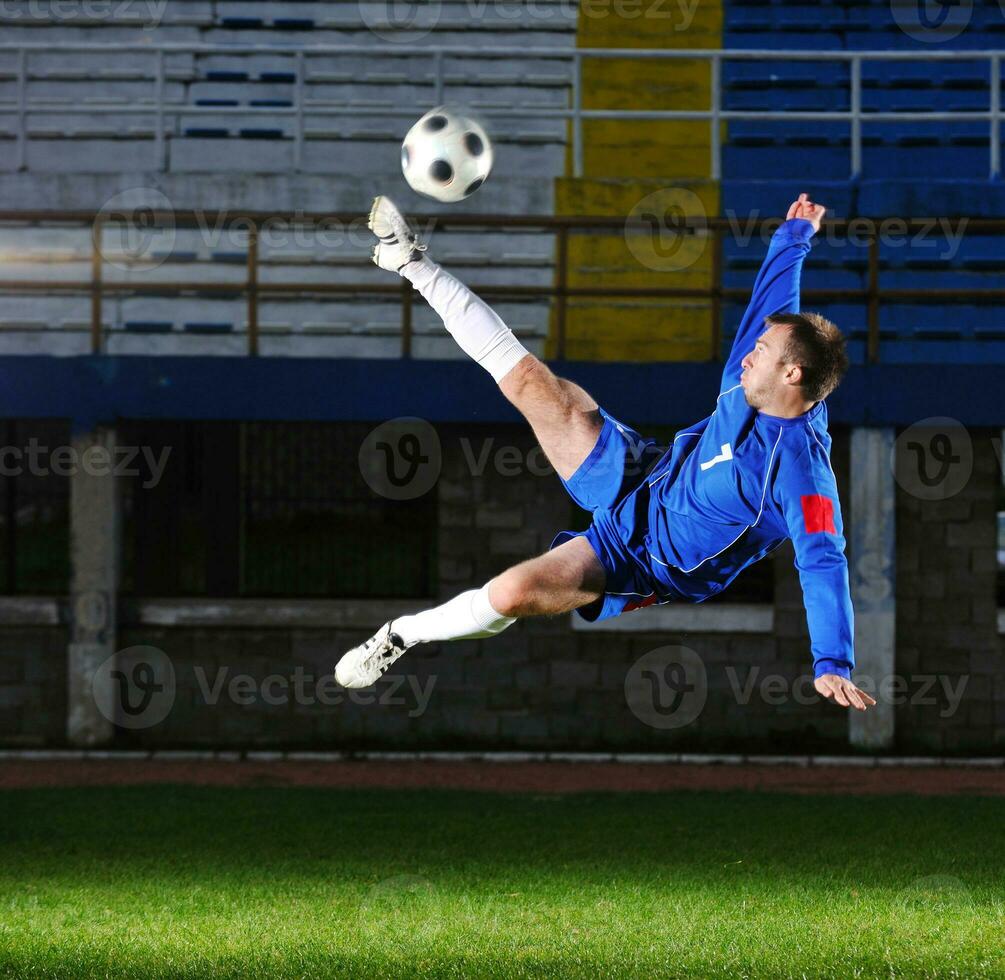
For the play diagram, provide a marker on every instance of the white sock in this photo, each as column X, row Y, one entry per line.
column 469, row 320
column 468, row 616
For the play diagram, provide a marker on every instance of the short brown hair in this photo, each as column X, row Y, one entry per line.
column 818, row 347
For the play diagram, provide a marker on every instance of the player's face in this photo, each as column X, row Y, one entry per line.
column 763, row 367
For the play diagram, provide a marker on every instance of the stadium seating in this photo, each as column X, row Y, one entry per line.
column 356, row 109
column 764, row 159
column 90, row 143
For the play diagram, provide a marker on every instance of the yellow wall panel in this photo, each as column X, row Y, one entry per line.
column 656, row 171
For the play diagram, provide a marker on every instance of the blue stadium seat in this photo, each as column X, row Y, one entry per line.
column 756, row 36
column 786, row 73
column 241, row 23
column 210, row 328
column 226, row 76
column 989, row 331
column 293, row 24
column 253, row 133
column 148, row 326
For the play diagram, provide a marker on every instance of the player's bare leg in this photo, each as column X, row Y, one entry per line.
column 567, row 423
column 558, row 581
column 565, row 419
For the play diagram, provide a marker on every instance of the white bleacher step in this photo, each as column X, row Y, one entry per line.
column 354, row 156
column 176, row 345
column 17, row 264
column 55, row 92
column 44, row 343
column 386, row 78
column 374, row 135
column 317, row 77
column 89, row 156
column 50, row 308
column 92, row 133
column 108, row 33
column 7, row 324
column 330, row 346
column 319, row 327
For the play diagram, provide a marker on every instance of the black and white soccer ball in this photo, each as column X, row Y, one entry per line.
column 446, row 155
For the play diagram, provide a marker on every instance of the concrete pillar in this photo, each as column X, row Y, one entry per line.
column 872, row 545
column 94, row 582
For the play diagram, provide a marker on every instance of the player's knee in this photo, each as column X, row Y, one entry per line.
column 527, row 372
column 513, row 594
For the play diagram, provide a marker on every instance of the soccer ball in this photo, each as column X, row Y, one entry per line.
column 446, row 155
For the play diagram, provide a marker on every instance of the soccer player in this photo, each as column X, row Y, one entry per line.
column 729, row 491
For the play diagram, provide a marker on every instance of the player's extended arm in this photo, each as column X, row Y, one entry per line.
column 807, row 493
column 776, row 288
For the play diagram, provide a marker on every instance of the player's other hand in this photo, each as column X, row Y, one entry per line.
column 805, row 208
column 841, row 691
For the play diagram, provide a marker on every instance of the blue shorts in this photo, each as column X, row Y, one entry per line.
column 615, row 469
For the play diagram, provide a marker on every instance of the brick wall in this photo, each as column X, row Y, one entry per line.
column 947, row 614
column 544, row 685
column 540, row 685
column 32, row 685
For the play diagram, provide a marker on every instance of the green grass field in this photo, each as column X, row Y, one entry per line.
column 176, row 882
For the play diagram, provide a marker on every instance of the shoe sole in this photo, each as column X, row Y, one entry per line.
column 373, row 211
column 391, row 238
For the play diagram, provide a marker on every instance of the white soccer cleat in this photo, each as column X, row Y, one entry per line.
column 364, row 665
column 398, row 244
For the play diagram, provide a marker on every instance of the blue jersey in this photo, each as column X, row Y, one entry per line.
column 735, row 486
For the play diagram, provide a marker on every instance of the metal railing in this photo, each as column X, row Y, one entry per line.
column 164, row 111
column 714, row 230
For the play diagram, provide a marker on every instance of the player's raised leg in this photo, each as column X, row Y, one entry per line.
column 558, row 581
column 565, row 419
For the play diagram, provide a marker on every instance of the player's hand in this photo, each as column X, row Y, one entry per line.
column 803, row 207
column 841, row 691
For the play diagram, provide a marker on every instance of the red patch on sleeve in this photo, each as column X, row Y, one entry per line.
column 648, row 601
column 818, row 513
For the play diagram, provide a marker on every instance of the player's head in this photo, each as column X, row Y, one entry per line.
column 801, row 354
